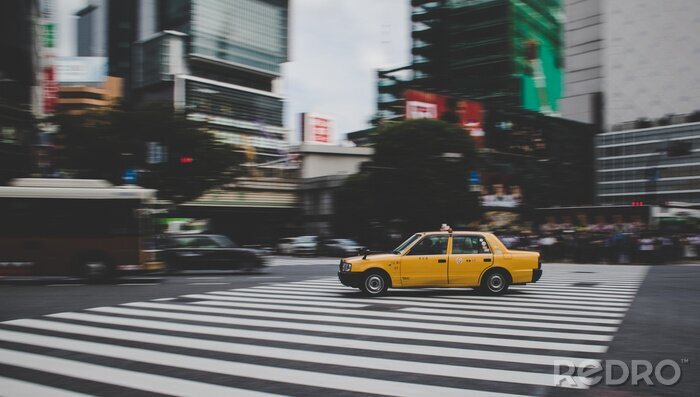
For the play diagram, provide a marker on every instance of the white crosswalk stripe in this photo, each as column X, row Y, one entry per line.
column 303, row 337
column 18, row 388
column 301, row 261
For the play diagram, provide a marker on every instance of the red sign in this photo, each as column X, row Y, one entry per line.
column 50, row 90
column 317, row 128
column 320, row 129
column 426, row 105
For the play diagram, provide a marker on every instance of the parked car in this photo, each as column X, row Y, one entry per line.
column 208, row 251
column 285, row 246
column 305, row 245
column 340, row 247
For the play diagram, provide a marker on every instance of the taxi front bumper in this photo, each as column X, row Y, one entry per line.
column 350, row 279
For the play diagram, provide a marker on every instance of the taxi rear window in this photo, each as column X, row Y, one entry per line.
column 469, row 245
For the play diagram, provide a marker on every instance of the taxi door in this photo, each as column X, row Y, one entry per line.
column 470, row 256
column 426, row 263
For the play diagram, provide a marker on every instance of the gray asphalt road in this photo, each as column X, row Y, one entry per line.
column 31, row 297
column 293, row 330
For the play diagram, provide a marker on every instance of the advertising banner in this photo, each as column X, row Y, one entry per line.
column 317, row 128
column 81, row 69
column 50, row 90
column 500, row 192
column 469, row 114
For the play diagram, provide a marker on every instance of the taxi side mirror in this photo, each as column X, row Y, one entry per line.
column 364, row 252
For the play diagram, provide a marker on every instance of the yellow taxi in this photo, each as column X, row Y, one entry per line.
column 443, row 259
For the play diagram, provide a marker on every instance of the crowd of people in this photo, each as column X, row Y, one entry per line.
column 623, row 241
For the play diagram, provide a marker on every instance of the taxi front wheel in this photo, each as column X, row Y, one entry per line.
column 374, row 284
column 495, row 283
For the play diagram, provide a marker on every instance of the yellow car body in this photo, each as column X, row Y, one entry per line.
column 443, row 259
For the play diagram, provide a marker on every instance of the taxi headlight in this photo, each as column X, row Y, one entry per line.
column 345, row 267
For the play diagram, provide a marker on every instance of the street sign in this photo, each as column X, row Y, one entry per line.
column 474, row 178
column 130, row 176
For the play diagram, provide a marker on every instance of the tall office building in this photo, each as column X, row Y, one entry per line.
column 504, row 52
column 92, row 29
column 219, row 61
column 122, row 25
column 20, row 83
column 631, row 59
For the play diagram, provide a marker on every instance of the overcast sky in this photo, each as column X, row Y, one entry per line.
column 336, row 45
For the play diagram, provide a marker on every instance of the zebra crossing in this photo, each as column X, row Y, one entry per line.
column 274, row 261
column 317, row 336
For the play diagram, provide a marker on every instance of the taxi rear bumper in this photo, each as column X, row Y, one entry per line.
column 536, row 275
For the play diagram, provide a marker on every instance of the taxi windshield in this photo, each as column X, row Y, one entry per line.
column 406, row 243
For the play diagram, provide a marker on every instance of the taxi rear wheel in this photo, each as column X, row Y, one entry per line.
column 374, row 284
column 495, row 283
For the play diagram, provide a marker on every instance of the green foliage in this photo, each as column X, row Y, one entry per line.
column 105, row 144
column 419, row 175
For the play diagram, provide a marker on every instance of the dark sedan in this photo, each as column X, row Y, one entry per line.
column 208, row 252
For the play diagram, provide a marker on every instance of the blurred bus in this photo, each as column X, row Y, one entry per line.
column 75, row 227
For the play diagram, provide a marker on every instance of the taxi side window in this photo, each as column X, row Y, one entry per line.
column 431, row 245
column 469, row 245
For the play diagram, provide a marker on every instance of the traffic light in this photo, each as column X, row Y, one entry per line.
column 186, row 160
column 637, row 203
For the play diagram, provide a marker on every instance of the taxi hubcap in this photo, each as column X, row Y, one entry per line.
column 496, row 282
column 374, row 283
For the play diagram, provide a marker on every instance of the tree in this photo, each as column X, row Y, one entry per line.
column 15, row 161
column 693, row 117
column 104, row 144
column 419, row 174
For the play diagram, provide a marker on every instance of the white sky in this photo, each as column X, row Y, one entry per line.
column 336, row 46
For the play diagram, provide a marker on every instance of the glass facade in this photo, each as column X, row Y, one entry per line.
column 639, row 165
column 506, row 52
column 230, row 52
column 151, row 61
column 248, row 32
column 238, row 117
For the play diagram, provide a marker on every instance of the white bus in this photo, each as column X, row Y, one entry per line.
column 75, row 227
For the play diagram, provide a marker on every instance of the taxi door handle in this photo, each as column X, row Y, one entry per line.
column 487, row 259
column 442, row 260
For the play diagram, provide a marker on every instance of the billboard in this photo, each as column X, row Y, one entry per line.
column 426, row 105
column 317, row 128
column 50, row 90
column 501, row 191
column 81, row 69
column 542, row 77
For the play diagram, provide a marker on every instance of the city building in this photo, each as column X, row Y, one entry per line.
column 251, row 210
column 92, row 29
column 543, row 160
column 219, row 62
column 20, row 82
column 122, row 32
column 83, row 85
column 502, row 52
column 77, row 98
column 649, row 166
column 630, row 59
column 361, row 137
column 322, row 170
